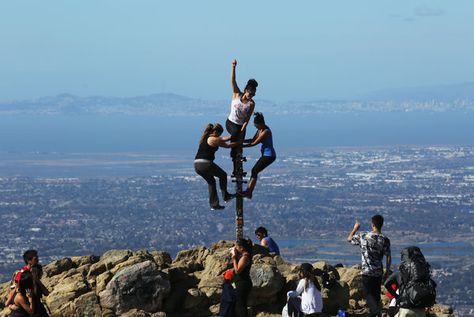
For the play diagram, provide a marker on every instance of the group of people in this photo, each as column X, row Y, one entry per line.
column 306, row 299
column 241, row 110
column 27, row 290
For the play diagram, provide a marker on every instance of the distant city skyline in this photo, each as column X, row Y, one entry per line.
column 297, row 51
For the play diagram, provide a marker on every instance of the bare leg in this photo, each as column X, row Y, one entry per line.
column 250, row 188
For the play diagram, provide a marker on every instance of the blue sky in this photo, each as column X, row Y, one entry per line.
column 296, row 50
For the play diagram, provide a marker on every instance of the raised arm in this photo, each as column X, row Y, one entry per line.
column 21, row 302
column 235, row 88
column 240, row 265
column 353, row 232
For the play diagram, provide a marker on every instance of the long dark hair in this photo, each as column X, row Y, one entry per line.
column 307, row 272
column 246, row 244
column 36, row 272
column 210, row 128
column 26, row 282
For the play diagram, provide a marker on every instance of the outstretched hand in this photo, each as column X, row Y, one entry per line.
column 234, row 63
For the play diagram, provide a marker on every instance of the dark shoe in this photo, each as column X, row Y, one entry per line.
column 218, row 207
column 228, row 197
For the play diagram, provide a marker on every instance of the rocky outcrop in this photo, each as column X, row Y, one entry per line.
column 149, row 284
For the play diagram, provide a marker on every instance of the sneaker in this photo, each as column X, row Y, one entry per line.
column 218, row 207
column 228, row 197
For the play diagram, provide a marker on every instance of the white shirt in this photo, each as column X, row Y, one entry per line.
column 311, row 300
column 239, row 111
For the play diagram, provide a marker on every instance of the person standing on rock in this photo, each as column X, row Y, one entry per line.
column 373, row 247
column 39, row 290
column 242, row 262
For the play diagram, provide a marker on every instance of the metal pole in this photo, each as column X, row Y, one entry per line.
column 239, row 175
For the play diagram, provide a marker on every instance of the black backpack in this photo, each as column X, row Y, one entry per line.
column 418, row 289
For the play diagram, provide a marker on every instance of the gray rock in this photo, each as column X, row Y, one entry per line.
column 140, row 286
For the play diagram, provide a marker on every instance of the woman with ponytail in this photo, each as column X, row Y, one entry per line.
column 204, row 164
column 263, row 136
column 307, row 297
column 241, row 109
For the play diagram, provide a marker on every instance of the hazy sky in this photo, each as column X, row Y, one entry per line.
column 295, row 49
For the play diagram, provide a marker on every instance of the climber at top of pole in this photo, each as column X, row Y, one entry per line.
column 241, row 109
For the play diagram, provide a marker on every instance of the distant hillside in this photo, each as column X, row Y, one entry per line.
column 444, row 93
column 434, row 99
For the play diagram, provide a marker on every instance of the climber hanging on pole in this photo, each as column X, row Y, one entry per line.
column 263, row 136
column 241, row 110
column 204, row 163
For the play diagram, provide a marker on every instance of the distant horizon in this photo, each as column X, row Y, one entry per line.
column 353, row 98
column 296, row 51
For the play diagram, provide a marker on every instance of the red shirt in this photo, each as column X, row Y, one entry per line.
column 18, row 275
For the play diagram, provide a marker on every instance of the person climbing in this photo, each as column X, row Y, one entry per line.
column 373, row 246
column 262, row 234
column 242, row 262
column 205, row 167
column 241, row 109
column 306, row 299
column 263, row 136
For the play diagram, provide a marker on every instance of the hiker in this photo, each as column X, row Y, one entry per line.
column 227, row 304
column 373, row 246
column 263, row 136
column 39, row 290
column 262, row 234
column 416, row 289
column 242, row 262
column 306, row 299
column 241, row 110
column 204, row 164
column 30, row 257
column 23, row 299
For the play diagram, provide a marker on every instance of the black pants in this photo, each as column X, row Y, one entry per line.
column 294, row 307
column 242, row 291
column 371, row 290
column 209, row 170
column 236, row 134
column 261, row 164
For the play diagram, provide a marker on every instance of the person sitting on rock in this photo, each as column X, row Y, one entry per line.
column 262, row 234
column 306, row 299
column 39, row 290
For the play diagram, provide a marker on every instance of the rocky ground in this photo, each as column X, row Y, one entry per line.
column 141, row 283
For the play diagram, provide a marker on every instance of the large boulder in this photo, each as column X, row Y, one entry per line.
column 267, row 282
column 140, row 286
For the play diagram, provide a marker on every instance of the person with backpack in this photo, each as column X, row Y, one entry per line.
column 416, row 289
column 373, row 246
